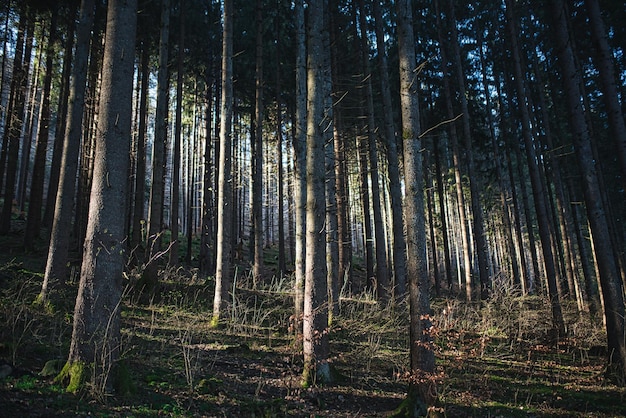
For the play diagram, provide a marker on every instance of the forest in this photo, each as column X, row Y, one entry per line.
column 312, row 208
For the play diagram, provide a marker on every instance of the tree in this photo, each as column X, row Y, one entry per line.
column 14, row 122
column 223, row 269
column 35, row 204
column 610, row 278
column 95, row 345
column 395, row 190
column 315, row 320
column 422, row 394
column 300, row 151
column 539, row 194
column 149, row 280
column 175, row 201
column 56, row 264
column 257, row 151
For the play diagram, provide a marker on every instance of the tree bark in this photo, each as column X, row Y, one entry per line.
column 149, row 280
column 175, row 201
column 315, row 319
column 610, row 279
column 56, row 265
column 299, row 147
column 223, row 270
column 257, row 154
column 95, row 345
column 422, row 356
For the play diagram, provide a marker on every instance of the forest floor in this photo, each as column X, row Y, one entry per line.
column 494, row 358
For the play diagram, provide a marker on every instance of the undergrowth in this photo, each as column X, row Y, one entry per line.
column 495, row 356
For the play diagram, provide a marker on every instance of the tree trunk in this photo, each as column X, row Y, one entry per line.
column 257, row 154
column 315, row 320
column 610, row 279
column 395, row 191
column 382, row 272
column 207, row 243
column 13, row 127
column 95, row 345
column 456, row 160
column 422, row 356
column 299, row 147
column 539, row 194
column 149, row 280
column 223, row 270
column 35, row 203
column 175, row 201
column 61, row 116
column 56, row 265
column 606, row 67
column 482, row 251
column 137, row 237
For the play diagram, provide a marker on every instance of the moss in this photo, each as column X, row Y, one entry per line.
column 76, row 373
column 51, row 368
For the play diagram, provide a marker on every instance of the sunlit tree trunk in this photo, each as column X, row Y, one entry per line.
column 257, row 152
column 482, row 251
column 315, row 319
column 56, row 265
column 382, row 272
column 456, row 161
column 95, row 345
column 422, row 356
column 299, row 147
column 498, row 160
column 223, row 268
column 138, row 222
column 395, row 191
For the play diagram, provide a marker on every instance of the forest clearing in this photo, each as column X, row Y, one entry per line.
column 494, row 357
column 346, row 208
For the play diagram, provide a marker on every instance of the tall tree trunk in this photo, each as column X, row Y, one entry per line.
column 606, row 67
column 506, row 218
column 382, row 272
column 395, row 191
column 282, row 268
column 175, row 201
column 328, row 132
column 299, row 147
column 539, row 194
column 422, row 356
column 315, row 319
column 223, row 269
column 35, row 203
column 149, row 280
column 257, row 154
column 95, row 345
column 610, row 279
column 56, row 265
column 136, row 242
column 456, row 161
column 482, row 251
column 61, row 116
column 207, row 243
